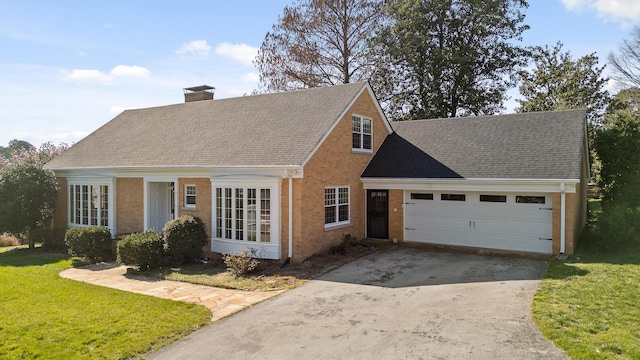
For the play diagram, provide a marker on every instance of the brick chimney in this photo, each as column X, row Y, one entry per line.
column 197, row 93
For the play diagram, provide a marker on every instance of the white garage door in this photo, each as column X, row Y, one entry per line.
column 508, row 221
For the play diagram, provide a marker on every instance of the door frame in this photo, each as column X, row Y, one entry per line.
column 147, row 200
column 385, row 216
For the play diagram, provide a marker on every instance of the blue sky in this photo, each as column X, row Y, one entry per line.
column 68, row 67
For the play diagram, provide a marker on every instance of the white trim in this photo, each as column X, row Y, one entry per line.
column 562, row 218
column 194, row 195
column 270, row 250
column 494, row 185
column 338, row 223
column 145, row 196
column 290, row 217
column 94, row 181
column 361, row 149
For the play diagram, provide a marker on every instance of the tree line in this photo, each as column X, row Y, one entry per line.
column 451, row 58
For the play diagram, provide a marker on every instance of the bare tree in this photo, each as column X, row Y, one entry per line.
column 317, row 43
column 626, row 62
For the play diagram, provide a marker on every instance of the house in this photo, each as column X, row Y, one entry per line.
column 289, row 174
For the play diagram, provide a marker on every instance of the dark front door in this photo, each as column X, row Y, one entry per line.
column 378, row 214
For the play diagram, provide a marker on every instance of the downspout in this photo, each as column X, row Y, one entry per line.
column 288, row 259
column 290, row 218
column 562, row 218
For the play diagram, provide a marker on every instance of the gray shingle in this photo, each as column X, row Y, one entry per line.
column 540, row 145
column 259, row 130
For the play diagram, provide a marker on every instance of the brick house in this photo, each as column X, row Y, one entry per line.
column 289, row 173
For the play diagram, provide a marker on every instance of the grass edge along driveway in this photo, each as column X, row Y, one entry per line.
column 588, row 305
column 46, row 316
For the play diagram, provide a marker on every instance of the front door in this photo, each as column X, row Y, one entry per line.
column 378, row 214
column 161, row 204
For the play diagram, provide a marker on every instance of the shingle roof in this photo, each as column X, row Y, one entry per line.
column 539, row 145
column 259, row 130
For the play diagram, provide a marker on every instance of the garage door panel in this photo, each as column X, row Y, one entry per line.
column 503, row 225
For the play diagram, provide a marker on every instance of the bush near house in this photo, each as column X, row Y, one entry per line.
column 88, row 242
column 242, row 262
column 144, row 250
column 184, row 238
column 8, row 240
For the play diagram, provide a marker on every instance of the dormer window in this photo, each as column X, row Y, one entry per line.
column 361, row 133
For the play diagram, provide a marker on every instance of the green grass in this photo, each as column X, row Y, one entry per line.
column 589, row 305
column 43, row 316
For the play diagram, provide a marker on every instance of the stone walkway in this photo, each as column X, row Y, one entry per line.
column 221, row 302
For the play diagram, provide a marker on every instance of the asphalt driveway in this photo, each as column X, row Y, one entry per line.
column 396, row 304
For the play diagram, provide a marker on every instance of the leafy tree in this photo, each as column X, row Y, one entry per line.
column 618, row 146
column 42, row 155
column 15, row 145
column 626, row 62
column 27, row 198
column 318, row 42
column 27, row 190
column 558, row 82
column 448, row 58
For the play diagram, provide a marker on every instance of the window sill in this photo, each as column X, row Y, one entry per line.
column 330, row 227
column 361, row 151
column 189, row 209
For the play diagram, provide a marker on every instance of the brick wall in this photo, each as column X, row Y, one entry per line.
column 61, row 212
column 396, row 218
column 334, row 164
column 129, row 205
column 204, row 203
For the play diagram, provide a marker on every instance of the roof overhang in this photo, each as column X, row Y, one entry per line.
column 281, row 171
column 490, row 185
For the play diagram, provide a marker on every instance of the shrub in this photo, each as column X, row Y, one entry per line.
column 89, row 242
column 184, row 238
column 619, row 226
column 242, row 262
column 144, row 250
column 8, row 240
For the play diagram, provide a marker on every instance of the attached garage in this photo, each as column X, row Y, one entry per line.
column 512, row 182
column 505, row 221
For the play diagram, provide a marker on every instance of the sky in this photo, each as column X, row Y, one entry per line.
column 68, row 67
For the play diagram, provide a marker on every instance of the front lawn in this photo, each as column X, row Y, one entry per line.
column 48, row 317
column 589, row 305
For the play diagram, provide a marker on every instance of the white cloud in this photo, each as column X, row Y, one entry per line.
column 196, row 47
column 80, row 75
column 251, row 77
column 97, row 76
column 243, row 53
column 130, row 71
column 616, row 10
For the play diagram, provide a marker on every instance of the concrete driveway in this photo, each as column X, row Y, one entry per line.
column 401, row 303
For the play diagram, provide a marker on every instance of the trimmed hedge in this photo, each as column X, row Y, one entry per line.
column 184, row 238
column 89, row 242
column 144, row 250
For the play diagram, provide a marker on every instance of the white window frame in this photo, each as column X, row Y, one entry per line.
column 110, row 201
column 336, row 205
column 187, row 196
column 361, row 132
column 230, row 244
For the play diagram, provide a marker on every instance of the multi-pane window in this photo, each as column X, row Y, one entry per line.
column 361, row 133
column 89, row 205
column 243, row 213
column 336, row 205
column 190, row 196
